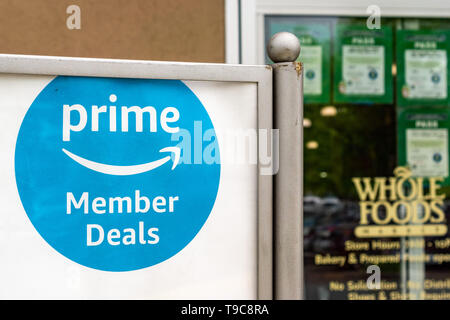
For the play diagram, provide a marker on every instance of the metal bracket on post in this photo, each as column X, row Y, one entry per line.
column 284, row 49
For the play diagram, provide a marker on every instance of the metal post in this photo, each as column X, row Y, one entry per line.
column 284, row 48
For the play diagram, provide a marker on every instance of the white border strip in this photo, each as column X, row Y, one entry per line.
column 48, row 65
column 232, row 31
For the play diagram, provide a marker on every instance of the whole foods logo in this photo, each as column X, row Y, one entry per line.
column 400, row 206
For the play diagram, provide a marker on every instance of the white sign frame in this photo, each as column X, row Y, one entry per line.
column 113, row 68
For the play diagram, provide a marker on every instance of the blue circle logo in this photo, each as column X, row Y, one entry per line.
column 104, row 174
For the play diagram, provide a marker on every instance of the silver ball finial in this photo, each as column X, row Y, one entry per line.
column 283, row 47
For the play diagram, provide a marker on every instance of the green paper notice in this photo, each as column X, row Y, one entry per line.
column 362, row 70
column 312, row 59
column 427, row 152
column 363, row 64
column 314, row 55
column 422, row 68
column 423, row 144
column 425, row 74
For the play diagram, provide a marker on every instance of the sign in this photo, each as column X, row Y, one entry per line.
column 315, row 57
column 423, row 142
column 124, row 187
column 83, row 135
column 422, row 68
column 400, row 206
column 362, row 67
